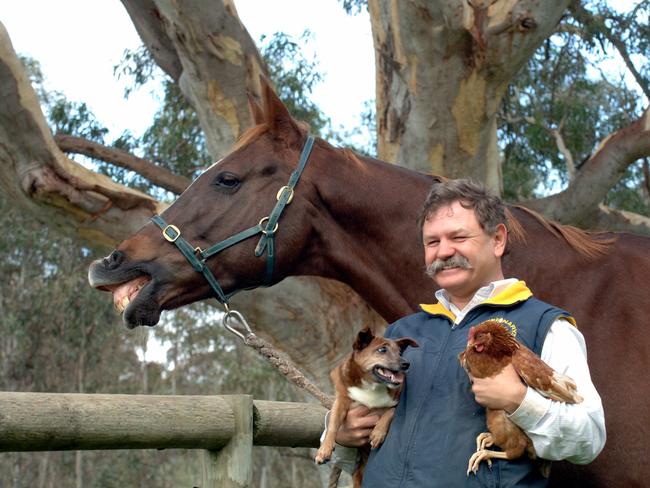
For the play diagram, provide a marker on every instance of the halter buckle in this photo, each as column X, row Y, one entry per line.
column 171, row 238
column 264, row 230
column 281, row 191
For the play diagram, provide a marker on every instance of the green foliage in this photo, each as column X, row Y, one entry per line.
column 76, row 119
column 354, row 7
column 294, row 77
column 566, row 89
column 175, row 139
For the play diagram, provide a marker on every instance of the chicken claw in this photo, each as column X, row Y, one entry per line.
column 484, row 440
column 483, row 455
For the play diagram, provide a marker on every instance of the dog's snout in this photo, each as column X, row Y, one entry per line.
column 113, row 261
column 404, row 364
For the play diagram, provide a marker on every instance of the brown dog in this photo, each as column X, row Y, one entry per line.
column 371, row 375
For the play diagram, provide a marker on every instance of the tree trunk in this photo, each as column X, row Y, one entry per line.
column 442, row 69
column 206, row 49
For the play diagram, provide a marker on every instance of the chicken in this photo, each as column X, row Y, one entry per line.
column 490, row 348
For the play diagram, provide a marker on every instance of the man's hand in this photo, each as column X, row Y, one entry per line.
column 504, row 391
column 355, row 430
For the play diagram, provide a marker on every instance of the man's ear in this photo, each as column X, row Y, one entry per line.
column 364, row 337
column 500, row 240
column 405, row 342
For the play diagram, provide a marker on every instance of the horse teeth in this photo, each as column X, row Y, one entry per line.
column 122, row 304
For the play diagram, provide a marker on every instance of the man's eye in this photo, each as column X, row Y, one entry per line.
column 228, row 181
column 382, row 350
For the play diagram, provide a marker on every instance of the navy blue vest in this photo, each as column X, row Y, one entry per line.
column 433, row 433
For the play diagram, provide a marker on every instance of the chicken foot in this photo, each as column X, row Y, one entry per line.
column 483, row 455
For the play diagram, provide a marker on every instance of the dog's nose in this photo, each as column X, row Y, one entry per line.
column 404, row 364
column 114, row 260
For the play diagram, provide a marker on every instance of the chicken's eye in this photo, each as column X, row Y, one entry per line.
column 382, row 350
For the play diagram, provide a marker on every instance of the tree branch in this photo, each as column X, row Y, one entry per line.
column 568, row 157
column 39, row 178
column 579, row 203
column 622, row 221
column 622, row 50
column 584, row 16
column 155, row 174
column 149, row 24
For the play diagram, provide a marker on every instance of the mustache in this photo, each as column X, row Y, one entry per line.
column 455, row 261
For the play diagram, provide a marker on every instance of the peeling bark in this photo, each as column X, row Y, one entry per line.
column 205, row 47
column 442, row 69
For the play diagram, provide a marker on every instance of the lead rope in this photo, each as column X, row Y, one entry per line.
column 277, row 358
column 282, row 363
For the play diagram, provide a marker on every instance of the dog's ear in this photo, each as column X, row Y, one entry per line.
column 364, row 337
column 405, row 342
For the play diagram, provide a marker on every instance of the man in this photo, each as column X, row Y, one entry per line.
column 441, row 412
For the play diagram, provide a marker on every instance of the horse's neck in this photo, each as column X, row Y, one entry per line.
column 367, row 235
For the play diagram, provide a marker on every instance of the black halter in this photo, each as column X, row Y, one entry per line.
column 268, row 226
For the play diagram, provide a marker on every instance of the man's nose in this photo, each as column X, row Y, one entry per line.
column 445, row 249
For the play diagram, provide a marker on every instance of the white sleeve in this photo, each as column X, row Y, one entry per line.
column 575, row 432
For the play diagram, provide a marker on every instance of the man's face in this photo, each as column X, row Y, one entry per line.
column 469, row 257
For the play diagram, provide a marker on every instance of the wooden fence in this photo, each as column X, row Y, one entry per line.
column 224, row 428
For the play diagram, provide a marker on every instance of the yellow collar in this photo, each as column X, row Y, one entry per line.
column 515, row 293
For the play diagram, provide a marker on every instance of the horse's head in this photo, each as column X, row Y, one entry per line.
column 148, row 273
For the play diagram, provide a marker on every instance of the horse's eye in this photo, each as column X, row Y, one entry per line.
column 227, row 181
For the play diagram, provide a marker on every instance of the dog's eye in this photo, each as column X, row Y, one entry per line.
column 382, row 350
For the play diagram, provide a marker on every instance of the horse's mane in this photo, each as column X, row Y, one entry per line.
column 585, row 243
column 249, row 135
column 589, row 244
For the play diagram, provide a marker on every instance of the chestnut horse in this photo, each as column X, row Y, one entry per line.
column 354, row 219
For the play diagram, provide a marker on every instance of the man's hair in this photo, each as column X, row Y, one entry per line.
column 489, row 209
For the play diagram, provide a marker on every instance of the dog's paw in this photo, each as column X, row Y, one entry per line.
column 323, row 455
column 377, row 438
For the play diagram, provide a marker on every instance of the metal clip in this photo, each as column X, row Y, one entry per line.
column 226, row 321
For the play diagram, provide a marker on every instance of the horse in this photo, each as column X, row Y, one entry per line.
column 353, row 219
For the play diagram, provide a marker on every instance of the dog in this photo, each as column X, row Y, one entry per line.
column 371, row 375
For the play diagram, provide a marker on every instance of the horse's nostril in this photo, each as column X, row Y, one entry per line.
column 114, row 260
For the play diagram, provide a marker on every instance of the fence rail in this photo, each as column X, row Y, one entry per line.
column 225, row 428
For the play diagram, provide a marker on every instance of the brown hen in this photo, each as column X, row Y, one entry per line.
column 490, row 348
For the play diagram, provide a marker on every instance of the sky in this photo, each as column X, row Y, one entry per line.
column 78, row 42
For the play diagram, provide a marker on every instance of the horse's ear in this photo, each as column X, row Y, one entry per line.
column 256, row 110
column 276, row 115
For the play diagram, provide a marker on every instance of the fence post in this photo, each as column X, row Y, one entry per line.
column 232, row 465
